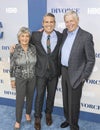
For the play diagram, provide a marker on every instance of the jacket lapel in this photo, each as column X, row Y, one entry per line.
column 41, row 42
column 58, row 39
column 63, row 40
column 76, row 43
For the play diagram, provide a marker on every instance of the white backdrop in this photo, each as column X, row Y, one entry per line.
column 89, row 13
column 13, row 15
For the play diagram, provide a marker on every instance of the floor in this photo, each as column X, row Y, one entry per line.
column 7, row 120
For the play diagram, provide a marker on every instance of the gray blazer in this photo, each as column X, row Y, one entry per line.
column 82, row 57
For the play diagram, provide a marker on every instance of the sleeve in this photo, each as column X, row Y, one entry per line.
column 31, row 38
column 90, row 56
column 12, row 66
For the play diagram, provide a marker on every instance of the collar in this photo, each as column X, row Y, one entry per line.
column 73, row 32
column 52, row 34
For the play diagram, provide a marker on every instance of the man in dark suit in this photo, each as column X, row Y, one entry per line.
column 47, row 68
column 77, row 60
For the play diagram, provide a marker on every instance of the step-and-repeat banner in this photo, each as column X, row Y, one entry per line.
column 13, row 15
column 89, row 13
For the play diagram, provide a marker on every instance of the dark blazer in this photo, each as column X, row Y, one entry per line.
column 82, row 57
column 43, row 59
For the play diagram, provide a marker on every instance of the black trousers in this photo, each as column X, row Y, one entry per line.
column 71, row 100
column 43, row 84
column 24, row 88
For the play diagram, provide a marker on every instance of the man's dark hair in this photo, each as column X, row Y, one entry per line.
column 49, row 14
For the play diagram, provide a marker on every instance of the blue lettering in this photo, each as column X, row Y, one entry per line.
column 1, row 81
column 64, row 10
column 5, row 47
column 97, row 55
column 91, row 106
column 1, row 32
column 9, row 93
column 93, row 82
column 6, row 70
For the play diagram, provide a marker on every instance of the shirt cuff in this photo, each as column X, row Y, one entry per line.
column 12, row 78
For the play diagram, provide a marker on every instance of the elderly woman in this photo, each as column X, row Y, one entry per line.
column 22, row 71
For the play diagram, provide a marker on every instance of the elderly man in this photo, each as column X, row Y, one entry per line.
column 77, row 60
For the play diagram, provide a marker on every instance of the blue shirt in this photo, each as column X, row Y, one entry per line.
column 53, row 40
column 67, row 46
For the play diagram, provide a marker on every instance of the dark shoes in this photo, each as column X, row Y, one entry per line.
column 37, row 124
column 64, row 124
column 48, row 119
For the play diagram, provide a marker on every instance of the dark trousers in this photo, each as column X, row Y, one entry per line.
column 71, row 100
column 43, row 84
column 24, row 88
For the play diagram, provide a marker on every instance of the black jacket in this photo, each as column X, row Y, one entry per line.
column 43, row 59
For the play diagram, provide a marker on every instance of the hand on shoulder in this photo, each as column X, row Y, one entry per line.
column 12, row 47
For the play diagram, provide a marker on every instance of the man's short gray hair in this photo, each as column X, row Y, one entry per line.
column 73, row 13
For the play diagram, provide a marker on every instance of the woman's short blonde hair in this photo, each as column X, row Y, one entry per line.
column 23, row 30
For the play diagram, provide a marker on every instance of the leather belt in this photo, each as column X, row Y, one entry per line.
column 65, row 66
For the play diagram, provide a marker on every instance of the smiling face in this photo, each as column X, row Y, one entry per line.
column 24, row 38
column 71, row 22
column 48, row 24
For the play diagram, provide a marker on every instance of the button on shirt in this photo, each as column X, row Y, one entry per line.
column 67, row 46
column 53, row 40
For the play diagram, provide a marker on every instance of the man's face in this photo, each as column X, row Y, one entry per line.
column 71, row 22
column 48, row 24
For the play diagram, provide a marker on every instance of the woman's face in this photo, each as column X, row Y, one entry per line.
column 24, row 39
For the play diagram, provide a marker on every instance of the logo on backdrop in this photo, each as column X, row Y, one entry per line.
column 1, row 30
column 64, row 10
column 92, row 81
column 5, row 48
column 97, row 55
column 93, row 11
column 90, row 106
column 1, row 81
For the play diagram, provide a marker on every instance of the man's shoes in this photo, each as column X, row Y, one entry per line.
column 37, row 124
column 48, row 119
column 64, row 124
